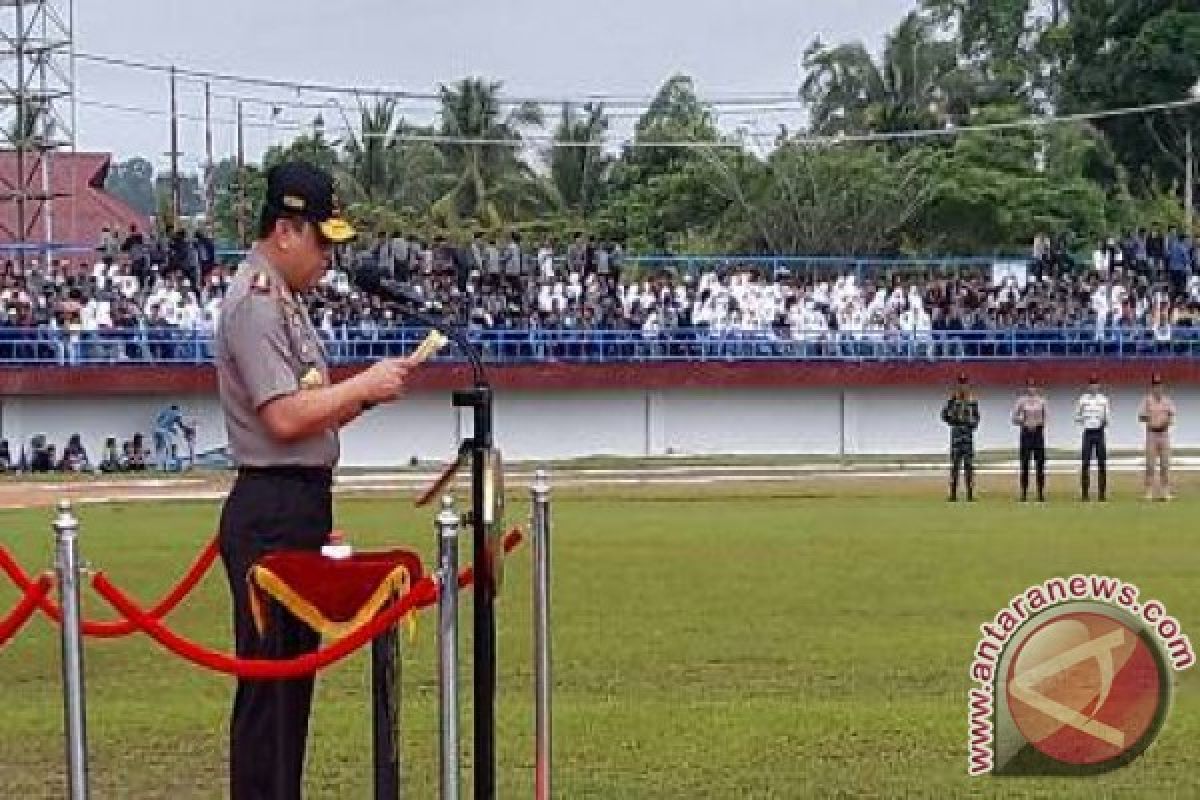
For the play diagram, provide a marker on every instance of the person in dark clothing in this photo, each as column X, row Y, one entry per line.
column 961, row 413
column 1030, row 416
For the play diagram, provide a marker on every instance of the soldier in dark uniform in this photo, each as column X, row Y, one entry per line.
column 282, row 415
column 961, row 413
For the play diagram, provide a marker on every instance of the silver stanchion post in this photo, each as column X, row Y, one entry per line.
column 66, row 562
column 540, row 492
column 447, row 573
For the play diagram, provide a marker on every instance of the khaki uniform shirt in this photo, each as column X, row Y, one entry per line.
column 1030, row 412
column 1157, row 413
column 266, row 348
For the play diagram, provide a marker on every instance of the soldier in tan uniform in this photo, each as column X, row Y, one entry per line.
column 1157, row 413
column 282, row 414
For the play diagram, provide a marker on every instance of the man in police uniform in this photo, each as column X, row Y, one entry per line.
column 961, row 413
column 282, row 415
column 1030, row 416
column 1157, row 413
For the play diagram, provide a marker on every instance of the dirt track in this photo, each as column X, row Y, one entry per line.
column 806, row 479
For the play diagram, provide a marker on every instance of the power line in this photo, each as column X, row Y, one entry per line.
column 800, row 139
column 613, row 100
column 756, row 100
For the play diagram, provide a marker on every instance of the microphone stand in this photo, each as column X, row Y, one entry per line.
column 485, row 549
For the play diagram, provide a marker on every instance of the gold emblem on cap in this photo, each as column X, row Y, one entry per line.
column 293, row 202
column 312, row 379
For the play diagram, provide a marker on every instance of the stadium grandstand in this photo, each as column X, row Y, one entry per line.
column 139, row 297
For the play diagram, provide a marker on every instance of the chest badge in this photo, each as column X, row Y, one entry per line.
column 312, row 379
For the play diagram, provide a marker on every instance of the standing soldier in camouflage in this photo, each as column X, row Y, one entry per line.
column 961, row 413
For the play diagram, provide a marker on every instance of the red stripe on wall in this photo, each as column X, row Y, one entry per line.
column 126, row 380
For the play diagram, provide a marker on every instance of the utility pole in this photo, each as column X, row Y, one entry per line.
column 241, row 178
column 209, row 189
column 176, row 205
column 21, row 140
column 1189, row 182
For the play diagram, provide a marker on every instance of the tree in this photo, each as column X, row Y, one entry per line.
column 313, row 147
column 917, row 84
column 665, row 197
column 133, row 182
column 227, row 199
column 579, row 169
column 191, row 193
column 994, row 190
column 491, row 184
column 1123, row 53
column 1000, row 37
column 838, row 199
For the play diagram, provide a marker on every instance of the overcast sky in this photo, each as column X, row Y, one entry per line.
column 537, row 47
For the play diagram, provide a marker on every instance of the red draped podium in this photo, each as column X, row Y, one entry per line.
column 333, row 596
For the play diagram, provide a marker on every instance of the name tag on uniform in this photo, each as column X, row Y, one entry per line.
column 312, row 379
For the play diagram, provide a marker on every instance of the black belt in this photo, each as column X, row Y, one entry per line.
column 318, row 475
column 1159, row 430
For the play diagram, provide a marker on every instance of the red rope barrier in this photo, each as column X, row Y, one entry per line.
column 23, row 610
column 111, row 629
column 422, row 595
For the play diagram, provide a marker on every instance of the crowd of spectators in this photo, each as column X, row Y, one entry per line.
column 143, row 297
column 42, row 456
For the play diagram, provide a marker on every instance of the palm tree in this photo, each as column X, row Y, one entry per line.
column 481, row 152
column 369, row 153
column 389, row 162
column 918, row 83
column 578, row 166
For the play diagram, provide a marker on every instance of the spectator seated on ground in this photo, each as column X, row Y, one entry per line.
column 138, row 453
column 111, row 461
column 74, row 457
column 41, row 457
column 6, row 462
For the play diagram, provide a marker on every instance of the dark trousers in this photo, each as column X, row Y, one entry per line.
column 271, row 509
column 1033, row 448
column 962, row 457
column 1093, row 444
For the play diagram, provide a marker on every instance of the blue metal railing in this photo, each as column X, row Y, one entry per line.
column 35, row 347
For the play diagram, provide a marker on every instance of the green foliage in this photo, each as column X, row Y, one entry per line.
column 133, row 182
column 949, row 64
column 838, row 199
column 1133, row 52
column 579, row 166
column 491, row 184
column 918, row 84
column 993, row 188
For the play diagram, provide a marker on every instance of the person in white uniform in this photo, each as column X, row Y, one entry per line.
column 1092, row 412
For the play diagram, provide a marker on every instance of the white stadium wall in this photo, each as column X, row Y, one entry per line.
column 561, row 424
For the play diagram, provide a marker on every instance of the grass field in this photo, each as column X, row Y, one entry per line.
column 786, row 641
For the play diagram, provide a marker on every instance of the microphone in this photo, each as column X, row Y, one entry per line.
column 412, row 304
column 373, row 282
